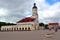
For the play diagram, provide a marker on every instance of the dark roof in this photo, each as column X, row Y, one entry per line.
column 28, row 19
column 34, row 6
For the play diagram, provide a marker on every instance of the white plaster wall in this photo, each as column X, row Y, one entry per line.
column 17, row 26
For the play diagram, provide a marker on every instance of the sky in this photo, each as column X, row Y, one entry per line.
column 15, row 10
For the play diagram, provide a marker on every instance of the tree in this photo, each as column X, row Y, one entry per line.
column 4, row 24
column 41, row 24
column 46, row 26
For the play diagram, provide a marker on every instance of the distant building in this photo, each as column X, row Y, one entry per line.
column 59, row 27
column 53, row 25
column 29, row 23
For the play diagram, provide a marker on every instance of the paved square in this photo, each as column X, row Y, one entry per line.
column 29, row 35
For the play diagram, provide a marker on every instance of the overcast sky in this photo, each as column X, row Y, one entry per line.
column 15, row 10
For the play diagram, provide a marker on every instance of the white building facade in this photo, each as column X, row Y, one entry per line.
column 29, row 23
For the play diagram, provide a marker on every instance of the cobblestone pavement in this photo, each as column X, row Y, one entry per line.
column 31, row 35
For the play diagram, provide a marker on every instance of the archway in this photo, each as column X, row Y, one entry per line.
column 7, row 29
column 17, row 29
column 25, row 28
column 28, row 28
column 22, row 29
column 12, row 29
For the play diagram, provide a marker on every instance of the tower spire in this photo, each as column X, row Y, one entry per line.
column 34, row 6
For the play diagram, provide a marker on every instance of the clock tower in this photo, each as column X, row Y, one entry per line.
column 34, row 11
column 35, row 15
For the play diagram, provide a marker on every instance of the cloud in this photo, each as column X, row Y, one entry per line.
column 18, row 9
column 2, row 12
column 48, row 13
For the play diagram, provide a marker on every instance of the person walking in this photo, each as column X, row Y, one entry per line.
column 56, row 28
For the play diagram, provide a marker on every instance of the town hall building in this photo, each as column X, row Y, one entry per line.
column 25, row 24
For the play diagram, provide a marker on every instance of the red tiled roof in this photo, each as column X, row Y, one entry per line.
column 53, row 23
column 28, row 19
